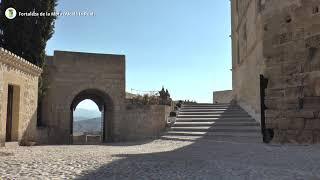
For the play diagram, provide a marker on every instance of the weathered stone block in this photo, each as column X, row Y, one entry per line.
column 314, row 86
column 273, row 104
column 297, row 123
column 283, row 123
column 312, row 124
column 285, row 37
column 306, row 137
column 316, row 136
column 274, row 93
column 299, row 33
column 291, row 69
column 276, row 82
column 279, row 136
column 313, row 42
column 272, row 122
column 299, row 114
column 293, row 92
column 291, row 104
column 295, row 80
column 273, row 72
column 273, row 113
column 311, row 103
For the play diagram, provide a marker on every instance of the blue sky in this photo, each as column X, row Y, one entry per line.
column 183, row 45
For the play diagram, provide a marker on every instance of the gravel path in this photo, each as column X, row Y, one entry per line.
column 162, row 159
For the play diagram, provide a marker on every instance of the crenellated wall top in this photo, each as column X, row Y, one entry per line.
column 10, row 59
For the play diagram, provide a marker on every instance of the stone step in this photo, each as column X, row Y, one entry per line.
column 213, row 113
column 215, row 121
column 231, row 139
column 210, row 107
column 225, row 134
column 218, row 128
column 213, row 116
column 191, row 124
column 223, row 119
column 203, row 104
column 207, row 104
column 217, row 106
column 211, row 110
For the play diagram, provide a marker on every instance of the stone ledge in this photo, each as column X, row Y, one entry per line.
column 19, row 63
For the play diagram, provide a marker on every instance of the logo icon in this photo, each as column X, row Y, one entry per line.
column 11, row 13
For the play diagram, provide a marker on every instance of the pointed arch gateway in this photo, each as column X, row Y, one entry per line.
column 105, row 105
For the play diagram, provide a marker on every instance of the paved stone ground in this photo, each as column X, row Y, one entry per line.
column 162, row 159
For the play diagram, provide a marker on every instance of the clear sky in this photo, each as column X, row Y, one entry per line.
column 88, row 104
column 183, row 45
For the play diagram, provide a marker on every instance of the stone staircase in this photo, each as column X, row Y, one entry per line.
column 223, row 122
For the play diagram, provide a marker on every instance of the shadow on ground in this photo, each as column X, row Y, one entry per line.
column 205, row 159
column 211, row 159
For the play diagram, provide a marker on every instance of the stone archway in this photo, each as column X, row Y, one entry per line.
column 75, row 76
column 105, row 105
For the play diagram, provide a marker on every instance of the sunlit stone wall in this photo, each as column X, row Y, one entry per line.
column 23, row 76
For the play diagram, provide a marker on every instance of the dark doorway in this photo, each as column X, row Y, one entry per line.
column 9, row 114
column 266, row 132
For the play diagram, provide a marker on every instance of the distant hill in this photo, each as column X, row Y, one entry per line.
column 84, row 114
column 77, row 118
column 91, row 126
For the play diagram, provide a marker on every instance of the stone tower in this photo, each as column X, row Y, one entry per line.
column 281, row 41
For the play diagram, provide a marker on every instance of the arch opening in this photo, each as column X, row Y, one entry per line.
column 91, row 118
column 87, row 123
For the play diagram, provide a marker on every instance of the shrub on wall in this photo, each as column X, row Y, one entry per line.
column 162, row 99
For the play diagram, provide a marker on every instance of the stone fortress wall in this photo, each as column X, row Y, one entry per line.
column 279, row 39
column 72, row 77
column 75, row 76
column 19, row 77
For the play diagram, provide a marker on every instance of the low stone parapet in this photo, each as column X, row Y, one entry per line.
column 222, row 96
column 144, row 121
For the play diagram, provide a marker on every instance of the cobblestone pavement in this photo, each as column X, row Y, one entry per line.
column 162, row 159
